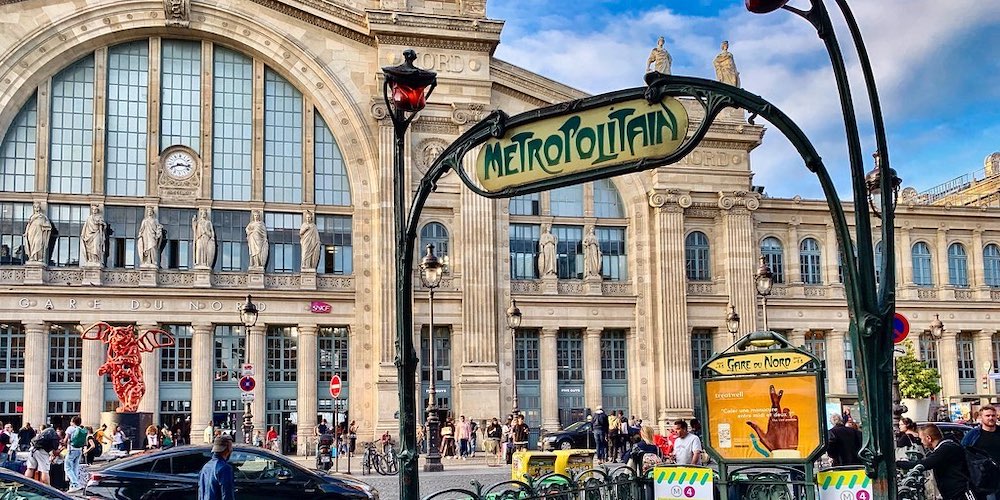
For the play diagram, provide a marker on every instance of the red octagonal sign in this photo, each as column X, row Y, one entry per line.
column 335, row 386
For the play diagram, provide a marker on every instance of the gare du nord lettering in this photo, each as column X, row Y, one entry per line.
column 584, row 140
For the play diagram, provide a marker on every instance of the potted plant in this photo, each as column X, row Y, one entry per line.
column 917, row 383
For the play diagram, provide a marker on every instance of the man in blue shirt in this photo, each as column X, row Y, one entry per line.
column 216, row 479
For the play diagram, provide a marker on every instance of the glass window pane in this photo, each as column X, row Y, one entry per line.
column 67, row 223
column 13, row 218
column 332, row 185
column 528, row 204
column 567, row 201
column 128, row 74
column 282, row 140
column 17, row 151
column 175, row 360
column 922, row 272
column 607, row 202
column 337, row 244
column 991, row 264
column 569, row 251
column 180, row 102
column 232, row 125
column 614, row 258
column 71, row 141
column 285, row 251
column 282, row 359
column 958, row 270
column 434, row 233
column 697, row 257
column 232, row 253
column 524, row 251
column 810, row 262
column 773, row 254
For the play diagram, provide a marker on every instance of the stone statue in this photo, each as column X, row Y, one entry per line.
column 309, row 240
column 547, row 252
column 37, row 232
column 725, row 67
column 659, row 58
column 591, row 255
column 94, row 237
column 148, row 241
column 204, row 240
column 257, row 240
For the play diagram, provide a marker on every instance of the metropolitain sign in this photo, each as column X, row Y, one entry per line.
column 585, row 140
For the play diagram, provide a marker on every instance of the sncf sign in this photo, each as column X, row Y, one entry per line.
column 318, row 307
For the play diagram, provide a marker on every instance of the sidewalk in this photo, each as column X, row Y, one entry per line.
column 476, row 462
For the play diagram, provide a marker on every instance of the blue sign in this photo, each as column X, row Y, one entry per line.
column 900, row 328
column 247, row 384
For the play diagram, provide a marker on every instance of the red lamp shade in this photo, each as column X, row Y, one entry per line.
column 409, row 99
column 764, row 6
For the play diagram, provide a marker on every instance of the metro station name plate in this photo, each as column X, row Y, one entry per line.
column 585, row 140
column 756, row 363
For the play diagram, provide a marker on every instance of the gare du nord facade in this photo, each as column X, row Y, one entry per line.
column 278, row 108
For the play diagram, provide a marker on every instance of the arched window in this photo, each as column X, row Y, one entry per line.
column 128, row 85
column 958, row 266
column 232, row 125
column 71, row 141
column 332, row 185
column 567, row 201
column 810, row 264
column 774, row 255
column 697, row 256
column 921, row 255
column 434, row 233
column 991, row 265
column 282, row 140
column 17, row 151
column 607, row 203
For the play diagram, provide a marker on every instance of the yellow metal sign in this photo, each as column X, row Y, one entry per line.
column 760, row 362
column 586, row 140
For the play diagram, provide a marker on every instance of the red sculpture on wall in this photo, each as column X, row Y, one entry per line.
column 124, row 358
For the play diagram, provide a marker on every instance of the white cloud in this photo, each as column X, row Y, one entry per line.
column 918, row 50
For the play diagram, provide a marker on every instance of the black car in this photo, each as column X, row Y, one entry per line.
column 14, row 485
column 259, row 474
column 575, row 436
column 950, row 430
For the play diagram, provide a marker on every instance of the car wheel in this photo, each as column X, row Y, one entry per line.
column 565, row 445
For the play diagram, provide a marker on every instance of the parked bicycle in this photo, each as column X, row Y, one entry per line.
column 385, row 463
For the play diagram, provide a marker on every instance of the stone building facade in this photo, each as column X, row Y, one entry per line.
column 276, row 106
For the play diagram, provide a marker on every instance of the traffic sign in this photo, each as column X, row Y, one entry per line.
column 246, row 397
column 335, row 386
column 247, row 384
column 900, row 328
column 247, row 370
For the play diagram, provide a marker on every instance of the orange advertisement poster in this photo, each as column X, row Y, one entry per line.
column 764, row 418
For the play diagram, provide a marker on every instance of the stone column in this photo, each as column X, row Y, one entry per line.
column 793, row 270
column 673, row 347
column 36, row 369
column 976, row 263
column 479, row 381
column 983, row 352
column 202, row 377
column 91, row 384
column 941, row 258
column 904, row 260
column 592, row 368
column 798, row 337
column 831, row 257
column 307, row 377
column 948, row 365
column 384, row 280
column 548, row 373
column 257, row 354
column 836, row 374
column 743, row 253
column 150, row 402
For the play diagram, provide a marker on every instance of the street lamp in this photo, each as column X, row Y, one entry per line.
column 764, row 280
column 733, row 321
column 405, row 91
column 431, row 272
column 873, row 183
column 248, row 315
column 513, row 322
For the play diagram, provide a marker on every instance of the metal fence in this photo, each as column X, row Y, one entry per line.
column 620, row 483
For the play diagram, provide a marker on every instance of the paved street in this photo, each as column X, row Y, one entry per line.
column 457, row 474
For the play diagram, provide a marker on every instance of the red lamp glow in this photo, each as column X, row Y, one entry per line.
column 764, row 6
column 408, row 98
column 407, row 85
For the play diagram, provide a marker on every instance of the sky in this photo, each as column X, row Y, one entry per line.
column 936, row 65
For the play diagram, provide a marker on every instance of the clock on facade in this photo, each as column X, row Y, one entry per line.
column 179, row 163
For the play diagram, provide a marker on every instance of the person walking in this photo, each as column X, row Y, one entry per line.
column 600, row 427
column 519, row 434
column 76, row 440
column 216, row 479
column 463, row 432
column 24, row 437
column 39, row 460
column 985, row 437
column 843, row 443
column 946, row 460
column 687, row 446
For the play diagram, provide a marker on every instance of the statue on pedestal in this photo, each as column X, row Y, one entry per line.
column 547, row 252
column 257, row 240
column 148, row 240
column 204, row 239
column 309, row 240
column 725, row 67
column 659, row 58
column 94, row 237
column 37, row 232
column 591, row 255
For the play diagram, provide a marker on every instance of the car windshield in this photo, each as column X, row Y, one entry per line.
column 577, row 426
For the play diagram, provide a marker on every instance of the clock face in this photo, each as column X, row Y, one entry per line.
column 179, row 164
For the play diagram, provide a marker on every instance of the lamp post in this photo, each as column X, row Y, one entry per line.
column 431, row 272
column 937, row 331
column 871, row 305
column 513, row 322
column 405, row 91
column 733, row 322
column 764, row 281
column 248, row 315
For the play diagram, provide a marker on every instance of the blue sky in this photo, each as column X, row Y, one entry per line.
column 936, row 64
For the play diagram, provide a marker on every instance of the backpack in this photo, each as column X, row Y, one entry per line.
column 79, row 438
column 984, row 474
column 46, row 440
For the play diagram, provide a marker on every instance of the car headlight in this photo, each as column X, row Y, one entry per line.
column 550, row 439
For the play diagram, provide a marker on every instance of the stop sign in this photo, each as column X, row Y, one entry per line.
column 335, row 386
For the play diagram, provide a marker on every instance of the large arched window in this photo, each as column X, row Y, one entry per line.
column 607, row 203
column 958, row 266
column 567, row 201
column 697, row 256
column 434, row 233
column 810, row 262
column 17, row 152
column 774, row 256
column 921, row 255
column 991, row 265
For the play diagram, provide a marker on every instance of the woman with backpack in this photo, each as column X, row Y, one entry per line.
column 645, row 454
column 94, row 448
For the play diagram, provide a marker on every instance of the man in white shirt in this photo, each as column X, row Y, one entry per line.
column 687, row 446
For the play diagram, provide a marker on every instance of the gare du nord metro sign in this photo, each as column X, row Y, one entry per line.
column 588, row 139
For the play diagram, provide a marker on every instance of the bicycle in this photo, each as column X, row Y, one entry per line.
column 389, row 464
column 493, row 455
column 369, row 458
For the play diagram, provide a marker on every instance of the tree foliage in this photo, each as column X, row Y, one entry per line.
column 916, row 379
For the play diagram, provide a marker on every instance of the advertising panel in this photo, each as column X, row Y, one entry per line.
column 683, row 483
column 764, row 418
